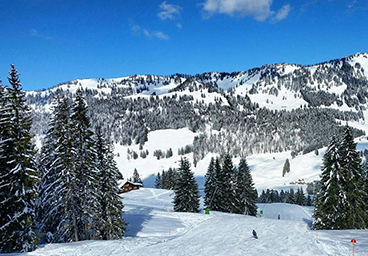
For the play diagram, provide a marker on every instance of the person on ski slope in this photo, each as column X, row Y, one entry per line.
column 254, row 233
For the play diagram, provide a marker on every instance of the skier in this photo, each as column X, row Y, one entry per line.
column 278, row 217
column 255, row 234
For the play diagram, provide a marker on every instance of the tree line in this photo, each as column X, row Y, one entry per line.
column 288, row 196
column 69, row 191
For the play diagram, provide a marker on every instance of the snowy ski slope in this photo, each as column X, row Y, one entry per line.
column 155, row 230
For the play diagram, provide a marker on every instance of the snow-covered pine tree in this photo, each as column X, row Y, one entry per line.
column 136, row 178
column 18, row 176
column 286, row 168
column 352, row 184
column 300, row 197
column 84, row 164
column 186, row 197
column 309, row 200
column 290, row 197
column 4, row 125
column 108, row 223
column 210, row 183
column 158, row 181
column 282, row 196
column 328, row 212
column 262, row 198
column 57, row 191
column 172, row 178
column 245, row 193
column 216, row 199
column 226, row 186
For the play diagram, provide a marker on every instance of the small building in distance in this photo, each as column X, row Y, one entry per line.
column 129, row 186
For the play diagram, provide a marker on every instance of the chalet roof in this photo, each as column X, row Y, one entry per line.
column 133, row 183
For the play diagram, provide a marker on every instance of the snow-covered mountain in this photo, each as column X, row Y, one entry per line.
column 337, row 83
column 269, row 114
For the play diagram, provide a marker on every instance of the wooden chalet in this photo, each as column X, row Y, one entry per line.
column 129, row 186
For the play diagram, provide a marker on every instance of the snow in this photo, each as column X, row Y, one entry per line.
column 161, row 139
column 155, row 230
column 266, row 169
column 284, row 101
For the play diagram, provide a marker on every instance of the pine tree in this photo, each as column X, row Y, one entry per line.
column 216, row 200
column 341, row 201
column 328, row 212
column 61, row 209
column 84, row 164
column 108, row 222
column 136, row 178
column 210, row 184
column 282, row 196
column 262, row 198
column 58, row 188
column 352, row 174
column 18, row 176
column 158, row 181
column 225, row 190
column 300, row 197
column 290, row 197
column 286, row 168
column 245, row 193
column 186, row 192
column 309, row 200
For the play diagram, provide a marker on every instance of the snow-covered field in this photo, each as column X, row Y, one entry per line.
column 266, row 169
column 155, row 230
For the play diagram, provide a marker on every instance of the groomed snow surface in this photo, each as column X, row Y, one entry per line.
column 156, row 230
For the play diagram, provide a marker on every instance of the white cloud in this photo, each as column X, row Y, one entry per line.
column 169, row 11
column 157, row 34
column 258, row 9
column 160, row 35
column 179, row 26
column 34, row 33
column 138, row 30
column 283, row 12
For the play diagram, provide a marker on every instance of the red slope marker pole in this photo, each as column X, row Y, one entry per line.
column 317, row 233
column 353, row 241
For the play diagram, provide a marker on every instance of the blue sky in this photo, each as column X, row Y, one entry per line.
column 52, row 41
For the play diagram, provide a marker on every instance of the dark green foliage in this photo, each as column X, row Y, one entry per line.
column 286, row 168
column 158, row 181
column 136, row 178
column 216, row 197
column 18, row 174
column 58, row 191
column 79, row 192
column 290, row 197
column 229, row 189
column 85, row 166
column 169, row 153
column 353, row 178
column 341, row 200
column 245, row 193
column 300, row 197
column 210, row 184
column 186, row 191
column 108, row 223
column 167, row 179
column 309, row 200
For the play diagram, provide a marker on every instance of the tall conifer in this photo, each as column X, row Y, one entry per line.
column 18, row 175
column 245, row 193
column 210, row 184
column 186, row 191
